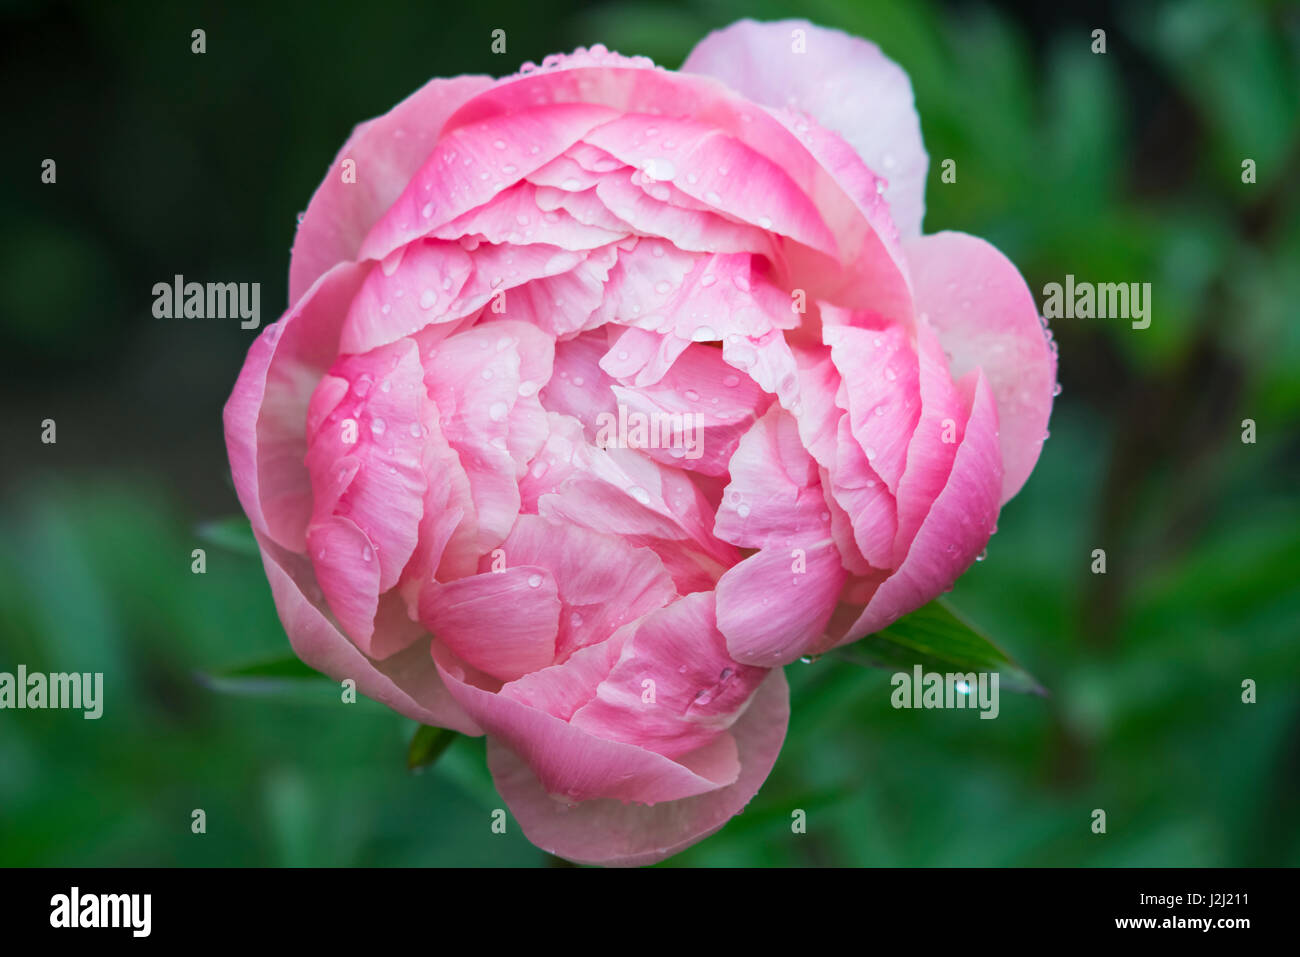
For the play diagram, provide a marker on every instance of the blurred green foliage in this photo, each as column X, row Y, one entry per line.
column 1117, row 167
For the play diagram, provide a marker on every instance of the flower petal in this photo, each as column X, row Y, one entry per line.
column 386, row 152
column 615, row 833
column 407, row 682
column 986, row 318
column 843, row 82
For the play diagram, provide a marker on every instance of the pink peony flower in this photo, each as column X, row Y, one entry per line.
column 503, row 293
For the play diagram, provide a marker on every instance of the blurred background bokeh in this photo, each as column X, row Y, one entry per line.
column 1122, row 167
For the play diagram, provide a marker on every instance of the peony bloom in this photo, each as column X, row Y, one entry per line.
column 505, row 289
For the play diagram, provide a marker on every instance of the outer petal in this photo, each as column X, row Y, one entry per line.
column 387, row 150
column 266, row 415
column 613, row 833
column 407, row 682
column 986, row 318
column 845, row 83
column 502, row 623
column 698, row 690
column 956, row 529
column 578, row 766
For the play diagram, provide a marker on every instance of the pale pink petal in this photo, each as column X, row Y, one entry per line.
column 693, row 417
column 386, row 152
column 602, row 581
column 408, row 683
column 774, row 606
column 411, row 289
column 571, row 763
column 674, row 687
column 514, row 216
column 501, row 623
column 986, row 318
column 930, row 454
column 719, row 170
column 956, row 529
column 615, row 833
column 472, row 163
column 373, row 435
column 843, row 82
column 266, row 414
column 348, row 573
column 879, row 371
column 774, row 490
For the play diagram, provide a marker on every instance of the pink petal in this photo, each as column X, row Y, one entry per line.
column 674, row 688
column 944, row 410
column 501, row 623
column 472, row 163
column 407, row 682
column 515, row 217
column 408, row 291
column 614, row 833
column 956, row 529
column 573, row 764
column 387, row 152
column 716, row 169
column 986, row 318
column 348, row 573
column 879, row 371
column 382, row 415
column 266, row 414
column 773, row 493
column 774, row 606
column 602, row 581
column 845, row 83
column 700, row 407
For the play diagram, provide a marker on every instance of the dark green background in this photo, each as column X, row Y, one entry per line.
column 1122, row 168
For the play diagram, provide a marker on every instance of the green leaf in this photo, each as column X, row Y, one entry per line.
column 233, row 534
column 427, row 745
column 271, row 676
column 937, row 639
